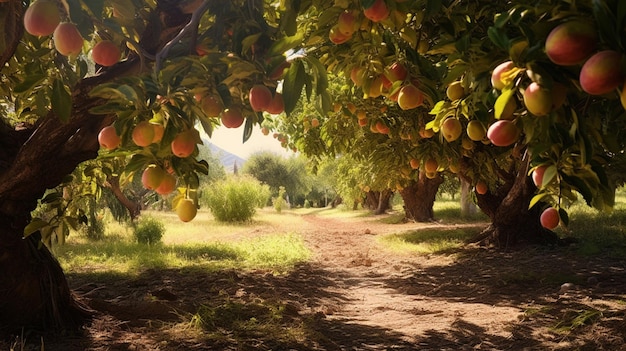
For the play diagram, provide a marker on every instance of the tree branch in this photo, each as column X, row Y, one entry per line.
column 13, row 29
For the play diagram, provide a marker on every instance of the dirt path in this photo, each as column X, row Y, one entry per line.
column 356, row 295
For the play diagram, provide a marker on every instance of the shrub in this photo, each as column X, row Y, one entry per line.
column 279, row 201
column 149, row 230
column 95, row 230
column 236, row 198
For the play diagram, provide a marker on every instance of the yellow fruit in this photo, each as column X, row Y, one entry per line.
column 186, row 210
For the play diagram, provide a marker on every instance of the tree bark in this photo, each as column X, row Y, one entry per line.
column 419, row 198
column 134, row 208
column 34, row 292
column 384, row 202
column 512, row 222
column 468, row 208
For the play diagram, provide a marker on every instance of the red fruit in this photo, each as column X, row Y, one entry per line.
column 496, row 81
column 346, row 23
column 159, row 130
column 42, row 17
column 415, row 163
column 184, row 143
column 260, row 97
column 537, row 175
column 571, row 43
column 377, row 12
column 336, row 37
column 232, row 118
column 396, row 72
column 106, row 53
column 503, row 133
column 382, row 128
column 277, row 105
column 363, row 122
column 168, row 184
column 602, row 73
column 108, row 138
column 538, row 100
column 550, row 218
column 152, row 177
column 451, row 129
column 67, row 39
column 410, row 97
column 431, row 165
column 143, row 134
column 481, row 187
column 211, row 106
column 356, row 75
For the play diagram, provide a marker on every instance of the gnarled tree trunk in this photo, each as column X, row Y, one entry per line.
column 512, row 222
column 34, row 292
column 419, row 198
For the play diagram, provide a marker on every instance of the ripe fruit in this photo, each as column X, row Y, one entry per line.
column 538, row 100
column 410, row 97
column 496, row 80
column 382, row 127
column 481, row 187
column 396, row 72
column 550, row 218
column 232, row 118
column 346, row 23
column 363, row 122
column 108, row 138
column 455, row 91
column 415, row 163
column 211, row 106
column 503, row 133
column 184, row 143
column 143, row 134
column 152, row 177
column 265, row 131
column 356, row 76
column 602, row 73
column 622, row 96
column 376, row 87
column 168, row 184
column 571, row 43
column 476, row 130
column 377, row 12
column 315, row 122
column 186, row 210
column 451, row 129
column 159, row 130
column 42, row 17
column 431, row 165
column 106, row 53
column 277, row 105
column 260, row 97
column 336, row 37
column 537, row 175
column 67, row 39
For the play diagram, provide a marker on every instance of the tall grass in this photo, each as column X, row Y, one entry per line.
column 202, row 245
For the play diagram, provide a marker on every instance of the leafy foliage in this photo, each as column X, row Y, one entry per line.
column 149, row 231
column 236, row 198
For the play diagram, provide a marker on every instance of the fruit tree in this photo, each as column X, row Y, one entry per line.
column 491, row 90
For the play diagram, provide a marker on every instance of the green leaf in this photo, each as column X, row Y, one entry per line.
column 292, row 85
column 95, row 6
column 247, row 131
column 61, row 101
column 548, row 175
column 502, row 100
column 35, row 225
column 432, row 8
column 285, row 44
column 564, row 216
column 29, row 83
column 499, row 38
column 537, row 198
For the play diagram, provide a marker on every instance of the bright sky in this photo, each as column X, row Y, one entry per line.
column 231, row 140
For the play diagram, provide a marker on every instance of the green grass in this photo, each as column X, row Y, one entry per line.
column 598, row 233
column 429, row 240
column 200, row 243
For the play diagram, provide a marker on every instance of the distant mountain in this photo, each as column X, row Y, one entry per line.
column 227, row 159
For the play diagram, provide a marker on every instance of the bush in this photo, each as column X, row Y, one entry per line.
column 236, row 198
column 149, row 231
column 279, row 201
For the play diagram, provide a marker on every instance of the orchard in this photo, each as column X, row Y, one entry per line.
column 524, row 102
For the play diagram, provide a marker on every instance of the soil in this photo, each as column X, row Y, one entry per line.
column 357, row 295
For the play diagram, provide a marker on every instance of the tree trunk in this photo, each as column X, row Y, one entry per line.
column 419, row 198
column 33, row 290
column 134, row 208
column 512, row 222
column 468, row 208
column 371, row 200
column 384, row 202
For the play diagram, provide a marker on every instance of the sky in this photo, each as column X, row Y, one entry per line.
column 231, row 141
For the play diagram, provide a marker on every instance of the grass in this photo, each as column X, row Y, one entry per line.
column 598, row 233
column 429, row 240
column 204, row 246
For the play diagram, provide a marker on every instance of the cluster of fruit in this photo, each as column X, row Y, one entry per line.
column 43, row 18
